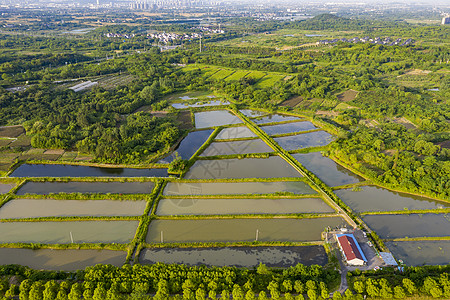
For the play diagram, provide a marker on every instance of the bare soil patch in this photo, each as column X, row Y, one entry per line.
column 445, row 144
column 54, row 151
column 405, row 122
column 184, row 117
column 11, row 131
column 347, row 95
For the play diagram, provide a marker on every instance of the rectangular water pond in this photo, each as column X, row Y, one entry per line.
column 6, row 187
column 373, row 198
column 419, row 253
column 167, row 207
column 59, row 232
column 200, row 104
column 37, row 208
column 235, row 133
column 305, row 140
column 61, row 260
column 49, row 170
column 326, row 169
column 239, row 230
column 409, row 225
column 189, row 145
column 288, row 128
column 236, row 147
column 252, row 113
column 241, row 257
column 45, row 188
column 224, row 188
column 273, row 166
column 215, row 118
column 275, row 118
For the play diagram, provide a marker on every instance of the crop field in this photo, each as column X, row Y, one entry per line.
column 262, row 79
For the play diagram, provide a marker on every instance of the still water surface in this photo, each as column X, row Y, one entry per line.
column 235, row 133
column 214, row 118
column 44, row 188
column 288, row 128
column 167, row 207
column 275, row 118
column 239, row 230
column 59, row 232
column 236, row 147
column 223, row 188
column 273, row 166
column 305, row 140
column 373, row 198
column 61, row 260
column 413, row 225
column 37, row 208
column 189, row 145
column 326, row 169
column 247, row 257
column 418, row 253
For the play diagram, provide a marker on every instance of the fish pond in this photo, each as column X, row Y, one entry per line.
column 305, row 140
column 275, row 118
column 223, row 188
column 373, row 198
column 235, row 133
column 6, row 187
column 215, row 118
column 189, row 145
column 326, row 169
column 273, row 166
column 49, row 170
column 288, row 127
column 199, row 104
column 247, row 257
column 38, row 208
column 61, row 260
column 44, row 188
column 236, row 147
column 239, row 230
column 252, row 113
column 60, row 232
column 418, row 253
column 409, row 225
column 198, row 206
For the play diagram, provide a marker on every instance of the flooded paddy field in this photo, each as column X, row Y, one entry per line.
column 247, row 257
column 235, row 133
column 409, row 225
column 44, row 170
column 305, row 140
column 37, row 208
column 239, row 230
column 189, row 145
column 200, row 104
column 274, row 118
column 59, row 232
column 418, row 253
column 6, row 187
column 288, row 127
column 167, row 207
column 215, row 118
column 236, row 147
column 61, row 260
column 273, row 166
column 224, row 188
column 45, row 188
column 373, row 198
column 326, row 169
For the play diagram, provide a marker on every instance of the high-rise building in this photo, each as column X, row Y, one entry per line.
column 446, row 20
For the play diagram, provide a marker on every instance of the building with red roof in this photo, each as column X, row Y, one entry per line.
column 351, row 250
